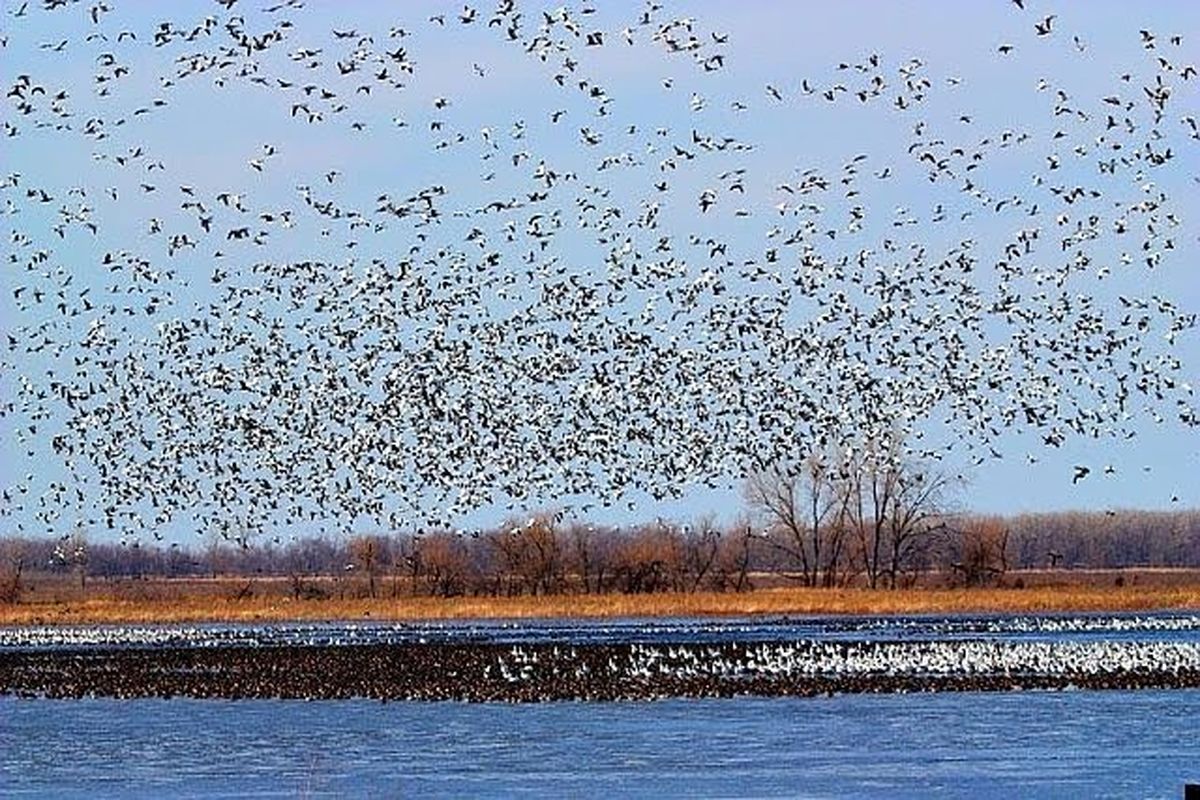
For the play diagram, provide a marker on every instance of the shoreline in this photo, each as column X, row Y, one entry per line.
column 106, row 610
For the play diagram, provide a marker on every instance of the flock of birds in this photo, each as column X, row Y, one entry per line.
column 554, row 672
column 476, row 662
column 1180, row 627
column 859, row 659
column 667, row 633
column 569, row 307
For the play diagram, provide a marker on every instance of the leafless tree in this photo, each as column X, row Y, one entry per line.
column 894, row 507
column 13, row 560
column 72, row 552
column 366, row 553
column 646, row 560
column 802, row 508
column 507, row 548
column 919, row 505
column 881, row 524
column 444, row 563
column 541, row 562
column 590, row 556
column 734, row 557
column 976, row 549
column 701, row 547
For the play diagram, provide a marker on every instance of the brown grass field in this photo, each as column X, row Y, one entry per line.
column 220, row 600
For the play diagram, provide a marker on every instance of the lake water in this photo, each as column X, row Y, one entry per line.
column 1030, row 744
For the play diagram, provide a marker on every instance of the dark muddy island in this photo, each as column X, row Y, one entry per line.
column 544, row 672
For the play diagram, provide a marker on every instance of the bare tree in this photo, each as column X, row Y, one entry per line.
column 701, row 546
column 406, row 561
column 893, row 507
column 444, row 563
column 795, row 504
column 72, row 552
column 507, row 546
column 13, row 559
column 530, row 555
column 366, row 553
column 581, row 554
column 976, row 550
column 541, row 563
column 646, row 560
column 732, row 567
column 918, row 504
column 881, row 522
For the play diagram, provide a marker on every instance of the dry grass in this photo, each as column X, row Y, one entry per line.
column 763, row 601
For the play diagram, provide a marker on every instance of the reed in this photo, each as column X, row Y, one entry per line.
column 776, row 601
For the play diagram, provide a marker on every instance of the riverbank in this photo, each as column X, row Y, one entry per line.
column 220, row 606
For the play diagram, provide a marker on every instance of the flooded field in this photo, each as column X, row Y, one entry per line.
column 1002, row 745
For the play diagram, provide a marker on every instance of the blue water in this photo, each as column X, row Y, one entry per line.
column 1057, row 745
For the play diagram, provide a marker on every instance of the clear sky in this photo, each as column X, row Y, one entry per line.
column 220, row 132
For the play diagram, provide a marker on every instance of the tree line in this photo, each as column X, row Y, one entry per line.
column 870, row 537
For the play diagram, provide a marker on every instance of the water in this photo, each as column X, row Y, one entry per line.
column 1061, row 745
column 999, row 745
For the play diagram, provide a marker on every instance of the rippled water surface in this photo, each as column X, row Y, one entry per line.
column 1061, row 745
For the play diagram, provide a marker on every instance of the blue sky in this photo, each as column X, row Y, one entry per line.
column 206, row 134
